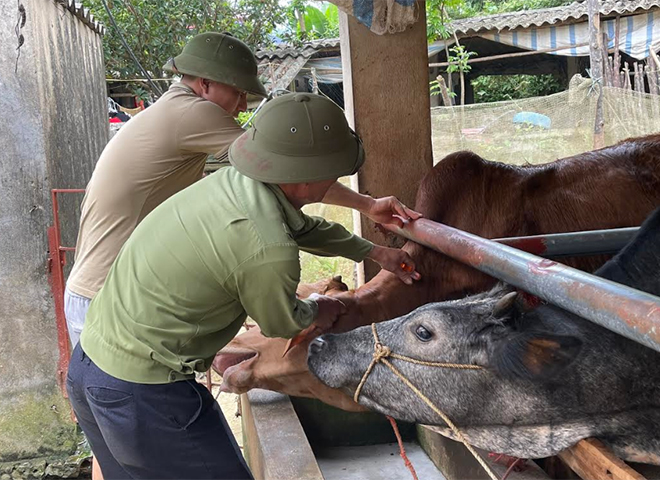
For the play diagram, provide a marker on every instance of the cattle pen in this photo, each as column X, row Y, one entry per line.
column 590, row 459
column 296, row 438
column 281, row 434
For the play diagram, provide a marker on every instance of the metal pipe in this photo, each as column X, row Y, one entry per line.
column 593, row 242
column 621, row 309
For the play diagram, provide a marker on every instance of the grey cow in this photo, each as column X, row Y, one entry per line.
column 549, row 378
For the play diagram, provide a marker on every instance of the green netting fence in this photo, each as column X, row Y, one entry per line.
column 543, row 129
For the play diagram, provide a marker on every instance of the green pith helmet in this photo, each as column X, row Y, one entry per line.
column 219, row 57
column 298, row 138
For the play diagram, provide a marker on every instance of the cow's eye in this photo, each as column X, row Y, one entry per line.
column 423, row 334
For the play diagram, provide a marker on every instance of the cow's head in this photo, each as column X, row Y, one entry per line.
column 252, row 360
column 484, row 330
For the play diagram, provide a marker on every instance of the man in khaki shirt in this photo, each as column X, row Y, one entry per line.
column 163, row 150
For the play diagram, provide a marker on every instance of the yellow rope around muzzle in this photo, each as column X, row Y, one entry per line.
column 382, row 352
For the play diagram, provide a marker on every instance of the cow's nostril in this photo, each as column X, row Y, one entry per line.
column 317, row 345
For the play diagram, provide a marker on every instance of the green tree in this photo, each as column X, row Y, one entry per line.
column 310, row 20
column 439, row 13
column 157, row 30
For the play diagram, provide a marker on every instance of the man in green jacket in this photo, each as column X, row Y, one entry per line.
column 187, row 278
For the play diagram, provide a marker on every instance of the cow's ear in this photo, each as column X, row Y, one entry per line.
column 535, row 356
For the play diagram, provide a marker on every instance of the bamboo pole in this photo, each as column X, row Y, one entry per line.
column 508, row 55
column 315, row 83
column 617, row 55
column 596, row 59
column 446, row 99
column 626, row 70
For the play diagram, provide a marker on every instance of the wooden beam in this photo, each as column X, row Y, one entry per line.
column 386, row 96
column 590, row 459
column 510, row 55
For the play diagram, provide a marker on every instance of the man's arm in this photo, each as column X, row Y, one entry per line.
column 385, row 210
column 329, row 239
column 324, row 238
column 265, row 285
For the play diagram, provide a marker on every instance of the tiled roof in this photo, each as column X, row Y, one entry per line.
column 536, row 18
column 307, row 50
column 83, row 14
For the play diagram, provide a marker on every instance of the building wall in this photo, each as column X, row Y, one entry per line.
column 52, row 130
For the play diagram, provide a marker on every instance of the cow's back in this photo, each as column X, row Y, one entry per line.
column 613, row 187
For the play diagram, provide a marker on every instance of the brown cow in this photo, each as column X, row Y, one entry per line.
column 613, row 187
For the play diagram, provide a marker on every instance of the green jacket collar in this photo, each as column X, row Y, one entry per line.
column 294, row 217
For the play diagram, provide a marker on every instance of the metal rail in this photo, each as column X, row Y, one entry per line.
column 624, row 310
column 593, row 242
column 56, row 262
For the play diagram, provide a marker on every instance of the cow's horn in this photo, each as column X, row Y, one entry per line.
column 504, row 304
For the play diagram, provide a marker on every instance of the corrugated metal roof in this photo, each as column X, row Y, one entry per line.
column 83, row 14
column 536, row 18
column 306, row 50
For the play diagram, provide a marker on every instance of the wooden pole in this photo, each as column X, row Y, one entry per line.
column 446, row 99
column 626, row 79
column 607, row 66
column 652, row 79
column 596, row 59
column 591, row 459
column 386, row 98
column 315, row 83
column 449, row 79
column 616, row 68
column 508, row 55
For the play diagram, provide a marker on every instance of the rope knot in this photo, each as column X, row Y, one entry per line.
column 381, row 351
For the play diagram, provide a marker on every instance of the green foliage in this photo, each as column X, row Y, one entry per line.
column 435, row 89
column 513, row 87
column 477, row 8
column 459, row 59
column 439, row 13
column 319, row 22
column 243, row 118
column 158, row 30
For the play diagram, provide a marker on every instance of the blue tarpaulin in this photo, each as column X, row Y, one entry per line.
column 381, row 16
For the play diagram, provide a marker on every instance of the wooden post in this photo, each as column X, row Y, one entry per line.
column 617, row 55
column 652, row 79
column 596, row 58
column 315, row 83
column 639, row 78
column 626, row 70
column 446, row 99
column 386, row 96
column 591, row 459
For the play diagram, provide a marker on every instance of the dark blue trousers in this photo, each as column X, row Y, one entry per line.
column 140, row 431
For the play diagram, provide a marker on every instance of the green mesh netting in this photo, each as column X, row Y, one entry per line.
column 489, row 129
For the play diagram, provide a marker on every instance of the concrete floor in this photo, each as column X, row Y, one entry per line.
column 375, row 462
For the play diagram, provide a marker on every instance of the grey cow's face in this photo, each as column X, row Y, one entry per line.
column 482, row 330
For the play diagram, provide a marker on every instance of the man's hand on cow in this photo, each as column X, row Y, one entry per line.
column 390, row 211
column 329, row 310
column 396, row 261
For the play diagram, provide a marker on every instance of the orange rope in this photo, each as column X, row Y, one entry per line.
column 402, row 450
